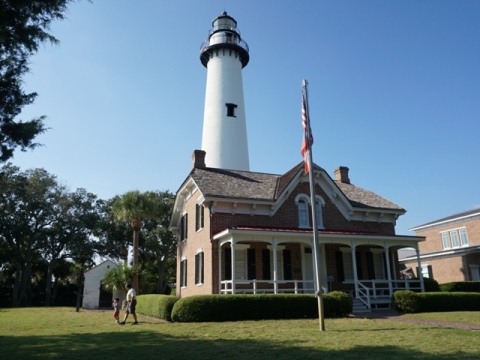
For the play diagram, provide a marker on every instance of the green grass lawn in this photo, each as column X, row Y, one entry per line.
column 62, row 333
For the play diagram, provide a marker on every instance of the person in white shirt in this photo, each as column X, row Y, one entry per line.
column 131, row 303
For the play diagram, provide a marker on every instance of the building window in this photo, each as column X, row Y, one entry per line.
column 463, row 237
column 231, row 109
column 240, row 263
column 266, row 264
column 379, row 264
column 302, row 208
column 445, row 240
column 199, row 215
column 347, row 264
column 199, row 268
column 302, row 202
column 454, row 238
column 319, row 202
column 183, row 273
column 280, row 261
column 184, row 227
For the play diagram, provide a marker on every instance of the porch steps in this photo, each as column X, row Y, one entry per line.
column 359, row 306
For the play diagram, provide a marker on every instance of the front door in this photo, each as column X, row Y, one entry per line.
column 105, row 298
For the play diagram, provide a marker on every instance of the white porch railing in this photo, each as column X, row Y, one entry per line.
column 369, row 292
column 267, row 286
column 380, row 291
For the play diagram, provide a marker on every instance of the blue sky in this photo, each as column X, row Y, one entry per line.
column 394, row 90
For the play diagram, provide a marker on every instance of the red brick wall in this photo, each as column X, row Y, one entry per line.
column 287, row 216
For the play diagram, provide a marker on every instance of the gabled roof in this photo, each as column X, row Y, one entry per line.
column 362, row 198
column 455, row 217
column 237, row 184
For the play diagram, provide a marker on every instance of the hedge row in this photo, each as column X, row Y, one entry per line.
column 412, row 302
column 159, row 306
column 203, row 308
column 462, row 286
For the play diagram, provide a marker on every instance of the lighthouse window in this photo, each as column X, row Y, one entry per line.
column 231, row 109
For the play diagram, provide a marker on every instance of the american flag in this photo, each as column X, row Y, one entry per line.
column 307, row 140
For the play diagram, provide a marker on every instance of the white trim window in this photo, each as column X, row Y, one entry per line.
column 199, row 217
column 454, row 238
column 463, row 237
column 184, row 227
column 303, row 201
column 183, row 273
column 347, row 264
column 379, row 263
column 241, row 261
column 199, row 268
column 445, row 240
column 302, row 207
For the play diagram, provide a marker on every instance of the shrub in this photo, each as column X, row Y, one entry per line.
column 342, row 303
column 255, row 307
column 462, row 286
column 406, row 301
column 156, row 305
column 411, row 302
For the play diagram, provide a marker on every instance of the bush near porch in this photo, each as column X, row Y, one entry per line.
column 203, row 308
column 407, row 301
column 209, row 308
column 462, row 286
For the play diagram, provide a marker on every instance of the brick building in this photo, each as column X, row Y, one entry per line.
column 249, row 232
column 451, row 251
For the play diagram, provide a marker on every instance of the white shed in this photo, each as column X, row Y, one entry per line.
column 94, row 297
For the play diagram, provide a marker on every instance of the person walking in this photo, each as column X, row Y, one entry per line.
column 131, row 303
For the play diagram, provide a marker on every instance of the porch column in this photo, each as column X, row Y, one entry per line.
column 420, row 273
column 395, row 263
column 355, row 275
column 389, row 273
column 219, row 267
column 323, row 258
column 275, row 267
column 233, row 267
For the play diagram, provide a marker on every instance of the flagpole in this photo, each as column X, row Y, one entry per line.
column 316, row 249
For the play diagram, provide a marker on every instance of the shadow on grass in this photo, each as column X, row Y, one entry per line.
column 152, row 345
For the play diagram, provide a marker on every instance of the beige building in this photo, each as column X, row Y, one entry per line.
column 451, row 251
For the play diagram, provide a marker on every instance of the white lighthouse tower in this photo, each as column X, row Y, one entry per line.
column 224, row 138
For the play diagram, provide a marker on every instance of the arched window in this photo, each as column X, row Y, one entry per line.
column 302, row 208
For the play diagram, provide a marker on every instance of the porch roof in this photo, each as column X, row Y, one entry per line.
column 325, row 236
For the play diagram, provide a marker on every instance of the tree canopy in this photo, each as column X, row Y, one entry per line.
column 24, row 25
column 50, row 235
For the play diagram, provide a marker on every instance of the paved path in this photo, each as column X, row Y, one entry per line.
column 396, row 316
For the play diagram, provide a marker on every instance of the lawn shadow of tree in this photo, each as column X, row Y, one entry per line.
column 153, row 345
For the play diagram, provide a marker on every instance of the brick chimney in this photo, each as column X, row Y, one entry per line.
column 198, row 158
column 341, row 174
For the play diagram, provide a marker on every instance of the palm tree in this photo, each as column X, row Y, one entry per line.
column 134, row 207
